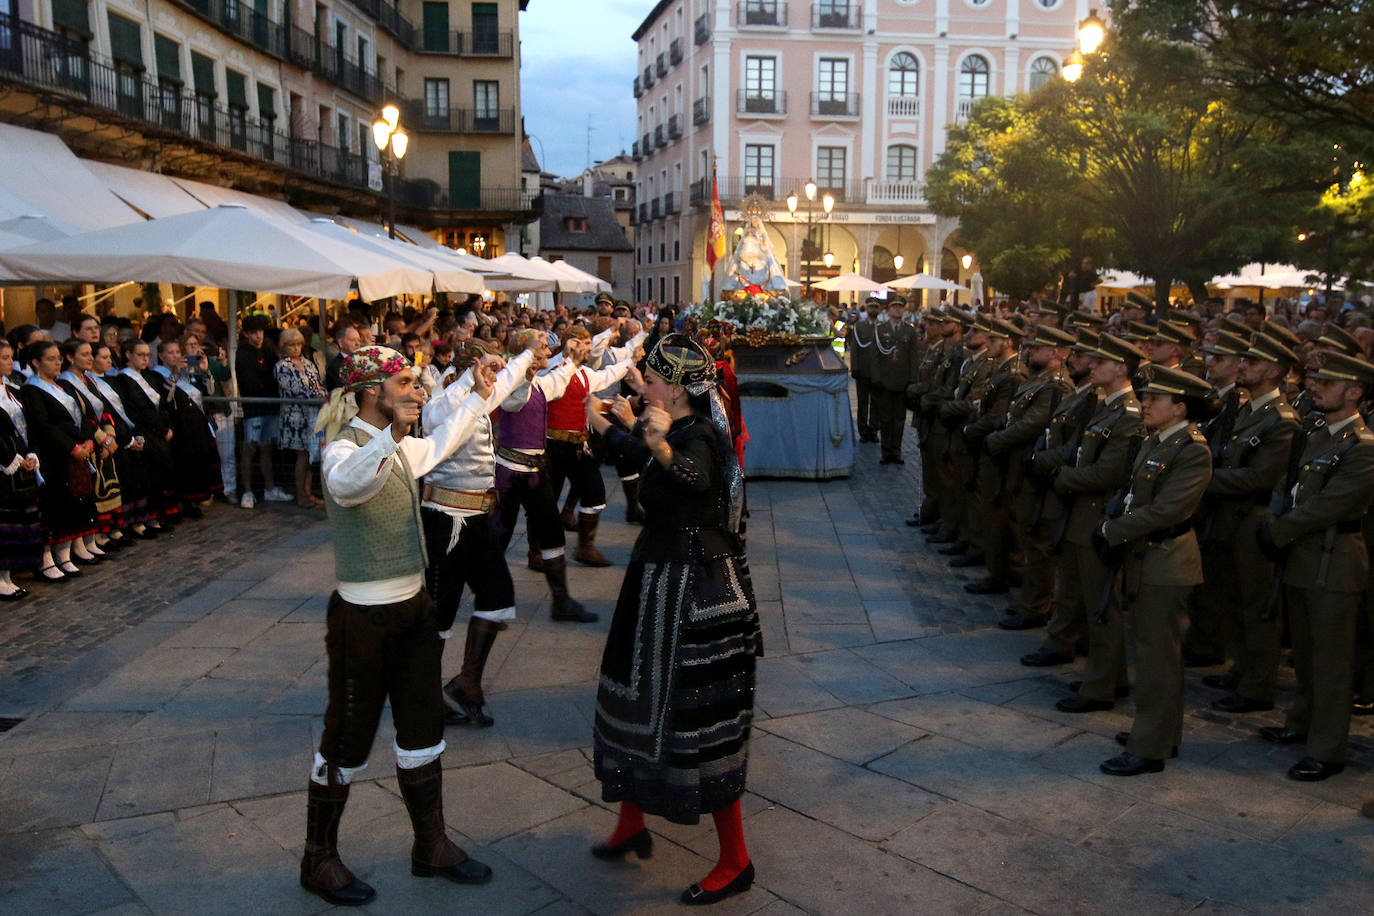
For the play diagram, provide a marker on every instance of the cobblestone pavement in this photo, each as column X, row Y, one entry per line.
column 903, row 761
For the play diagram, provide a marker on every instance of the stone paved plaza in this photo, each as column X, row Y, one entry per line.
column 904, row 761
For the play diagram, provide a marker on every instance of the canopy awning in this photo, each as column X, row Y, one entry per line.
column 849, row 283
column 448, row 277
column 213, row 195
column 926, row 281
column 38, row 174
column 153, row 194
column 524, row 276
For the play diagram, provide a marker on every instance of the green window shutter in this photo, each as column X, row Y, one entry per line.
column 203, row 72
column 72, row 15
column 464, row 180
column 236, row 85
column 126, row 44
column 267, row 107
column 436, row 26
column 168, row 54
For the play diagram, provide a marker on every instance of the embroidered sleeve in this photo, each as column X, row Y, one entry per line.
column 691, row 466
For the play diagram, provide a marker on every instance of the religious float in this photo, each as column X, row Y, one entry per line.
column 794, row 388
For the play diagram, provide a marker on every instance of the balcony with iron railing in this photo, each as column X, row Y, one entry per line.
column 661, row 65
column 828, row 105
column 675, row 127
column 903, row 106
column 243, row 22
column 753, row 102
column 458, row 43
column 702, row 29
column 767, row 13
column 672, row 203
column 634, row 151
column 460, row 120
column 660, row 138
column 425, row 194
column 639, row 88
column 701, row 110
column 675, row 52
column 699, row 192
column 646, row 144
column 644, row 213
column 733, row 188
column 309, row 52
column 655, row 208
column 648, row 76
column 836, row 14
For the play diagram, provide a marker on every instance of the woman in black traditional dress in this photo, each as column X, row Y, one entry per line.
column 676, row 697
column 64, row 438
column 21, row 527
column 133, row 479
column 193, row 437
column 143, row 405
column 109, row 497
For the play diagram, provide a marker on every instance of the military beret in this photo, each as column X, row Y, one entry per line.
column 1078, row 318
column 1271, row 349
column 1280, row 333
column 1335, row 366
column 997, row 327
column 1226, row 344
column 1338, row 338
column 1117, row 349
column 1046, row 336
column 1173, row 332
column 1136, row 300
column 1163, row 380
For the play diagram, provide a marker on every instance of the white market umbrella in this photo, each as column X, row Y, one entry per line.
column 524, row 275
column 926, row 281
column 1124, row 282
column 849, row 283
column 448, row 276
column 228, row 246
column 575, row 280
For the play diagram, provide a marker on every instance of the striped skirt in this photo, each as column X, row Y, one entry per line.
column 675, row 701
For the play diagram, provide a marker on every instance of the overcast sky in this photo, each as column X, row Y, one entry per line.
column 578, row 61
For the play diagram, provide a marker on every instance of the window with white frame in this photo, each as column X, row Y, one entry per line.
column 832, row 79
column 901, row 162
column 975, row 77
column 758, row 169
column 1042, row 70
column 830, row 167
column 760, row 77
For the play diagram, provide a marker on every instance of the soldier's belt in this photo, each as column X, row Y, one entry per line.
column 1168, row 534
column 576, row 437
column 459, row 499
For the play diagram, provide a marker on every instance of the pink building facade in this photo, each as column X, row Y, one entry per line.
column 854, row 96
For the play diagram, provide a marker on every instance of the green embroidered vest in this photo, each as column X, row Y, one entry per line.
column 382, row 538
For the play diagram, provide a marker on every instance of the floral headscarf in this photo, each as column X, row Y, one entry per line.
column 365, row 367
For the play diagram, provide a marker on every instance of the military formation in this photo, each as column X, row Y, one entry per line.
column 1178, row 494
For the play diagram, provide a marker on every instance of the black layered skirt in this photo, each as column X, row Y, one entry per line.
column 21, row 525
column 675, row 702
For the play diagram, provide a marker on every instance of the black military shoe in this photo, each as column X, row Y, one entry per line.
column 1044, row 658
column 1309, row 769
column 953, row 549
column 1018, row 621
column 1194, row 660
column 1236, row 703
column 1276, row 734
column 1123, row 737
column 1122, row 690
column 1127, row 764
column 1363, row 706
column 1079, row 704
column 968, row 560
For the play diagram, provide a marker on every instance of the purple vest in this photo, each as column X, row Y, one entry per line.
column 526, row 428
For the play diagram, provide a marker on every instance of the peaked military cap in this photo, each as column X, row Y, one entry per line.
column 954, row 313
column 1087, row 340
column 1173, row 332
column 1186, row 317
column 1339, row 338
column 997, row 327
column 605, row 297
column 1137, row 300
column 1046, row 336
column 1336, row 366
column 1227, row 344
column 1117, row 349
column 1078, row 318
column 934, row 313
column 1280, row 333
column 1055, row 307
column 1271, row 349
column 1138, row 331
column 873, row 300
column 894, row 299
column 1238, row 328
column 1163, row 380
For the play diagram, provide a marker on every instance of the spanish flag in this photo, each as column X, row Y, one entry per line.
column 715, row 233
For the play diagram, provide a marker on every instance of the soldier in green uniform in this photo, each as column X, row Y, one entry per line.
column 894, row 368
column 1326, row 566
column 991, row 496
column 1211, row 620
column 1162, row 563
column 1247, row 468
column 1169, row 344
column 858, row 346
column 1068, row 625
column 945, row 381
column 923, row 420
column 1095, row 472
column 955, row 412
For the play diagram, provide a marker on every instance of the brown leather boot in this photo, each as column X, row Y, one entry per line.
column 464, row 692
column 433, row 853
column 568, row 514
column 322, row 872
column 634, row 512
column 586, row 552
column 565, row 608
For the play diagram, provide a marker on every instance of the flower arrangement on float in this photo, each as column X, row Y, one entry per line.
column 752, row 318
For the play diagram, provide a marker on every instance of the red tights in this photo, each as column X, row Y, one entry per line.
column 734, row 855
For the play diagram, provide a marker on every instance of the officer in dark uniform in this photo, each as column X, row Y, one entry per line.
column 991, row 497
column 1247, row 468
column 1161, row 561
column 1212, row 623
column 894, row 369
column 1325, row 564
column 858, row 346
column 923, row 420
column 1169, row 344
column 1098, row 469
column 956, row 411
column 943, row 483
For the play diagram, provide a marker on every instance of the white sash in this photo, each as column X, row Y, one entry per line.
column 142, row 383
column 192, row 391
column 59, row 395
column 111, row 397
column 16, row 412
column 81, row 385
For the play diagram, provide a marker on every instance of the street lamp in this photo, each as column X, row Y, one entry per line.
column 827, row 204
column 479, row 245
column 967, row 261
column 1092, row 31
column 391, row 142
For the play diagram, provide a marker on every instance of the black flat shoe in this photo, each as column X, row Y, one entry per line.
column 987, row 587
column 19, row 594
column 968, row 561
column 1044, row 658
column 1363, row 706
column 1277, row 734
column 641, row 844
column 1122, row 691
column 1237, row 703
column 1078, row 704
column 1127, row 764
column 1227, row 681
column 1123, row 737
column 1309, row 769
column 1021, row 622
column 43, row 574
column 695, row 896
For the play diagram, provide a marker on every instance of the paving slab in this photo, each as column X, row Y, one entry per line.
column 58, row 871
column 850, row 734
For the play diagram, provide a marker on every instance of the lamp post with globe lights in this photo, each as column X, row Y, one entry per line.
column 1092, row 31
column 391, row 142
column 827, row 204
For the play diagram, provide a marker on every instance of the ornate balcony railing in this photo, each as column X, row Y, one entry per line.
column 702, row 29
column 460, row 120
column 675, row 52
column 755, row 103
column 963, row 108
column 701, row 110
column 836, row 14
column 895, row 192
column 675, row 127
column 467, row 44
column 761, row 13
column 834, row 104
column 904, row 106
